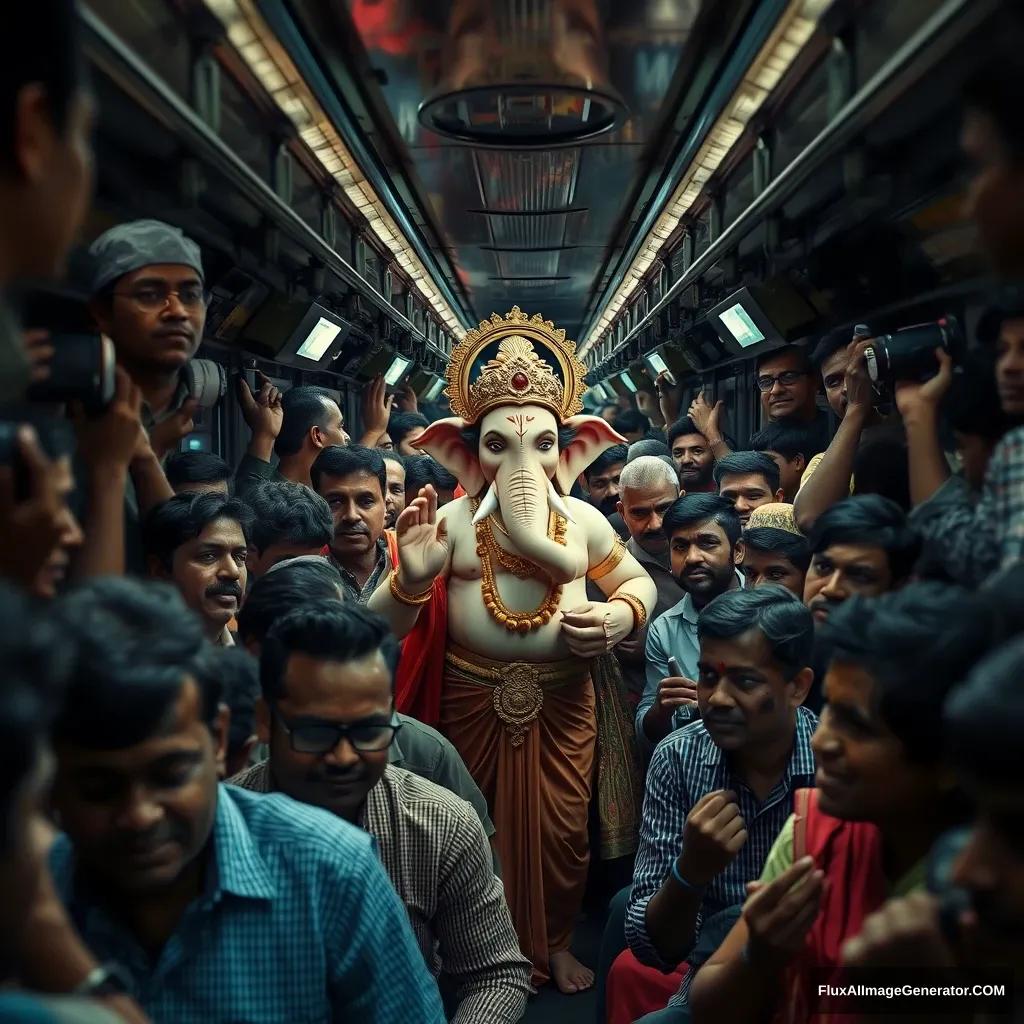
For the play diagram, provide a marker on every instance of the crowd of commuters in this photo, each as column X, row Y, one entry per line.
column 212, row 808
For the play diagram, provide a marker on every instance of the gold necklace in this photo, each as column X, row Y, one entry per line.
column 515, row 622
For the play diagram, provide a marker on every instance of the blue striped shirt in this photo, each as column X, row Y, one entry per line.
column 298, row 923
column 687, row 765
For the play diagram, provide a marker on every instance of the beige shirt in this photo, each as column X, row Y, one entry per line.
column 435, row 852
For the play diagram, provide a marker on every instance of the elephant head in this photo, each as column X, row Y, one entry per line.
column 521, row 460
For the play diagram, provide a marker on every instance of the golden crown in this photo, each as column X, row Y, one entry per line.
column 518, row 374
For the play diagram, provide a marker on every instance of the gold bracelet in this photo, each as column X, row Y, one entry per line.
column 639, row 611
column 613, row 558
column 404, row 597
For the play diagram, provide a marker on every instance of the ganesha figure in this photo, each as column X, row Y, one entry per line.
column 514, row 692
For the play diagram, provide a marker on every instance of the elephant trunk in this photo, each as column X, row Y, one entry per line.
column 524, row 496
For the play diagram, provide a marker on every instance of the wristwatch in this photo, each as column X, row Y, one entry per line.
column 106, row 980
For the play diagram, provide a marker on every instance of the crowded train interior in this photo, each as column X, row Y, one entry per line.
column 508, row 511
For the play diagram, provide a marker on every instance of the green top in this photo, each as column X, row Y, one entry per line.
column 781, row 857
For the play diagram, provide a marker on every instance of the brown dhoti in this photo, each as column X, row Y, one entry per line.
column 527, row 732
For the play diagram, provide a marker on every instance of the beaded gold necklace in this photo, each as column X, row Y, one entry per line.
column 487, row 547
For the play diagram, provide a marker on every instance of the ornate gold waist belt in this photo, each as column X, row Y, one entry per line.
column 518, row 685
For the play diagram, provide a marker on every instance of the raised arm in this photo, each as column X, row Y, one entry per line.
column 424, row 551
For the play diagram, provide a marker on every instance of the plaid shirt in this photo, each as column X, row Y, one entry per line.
column 353, row 592
column 973, row 540
column 687, row 765
column 434, row 849
column 298, row 923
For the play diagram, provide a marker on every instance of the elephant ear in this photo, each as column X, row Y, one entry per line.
column 442, row 441
column 593, row 436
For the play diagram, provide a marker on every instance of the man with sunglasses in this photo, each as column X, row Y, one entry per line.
column 327, row 713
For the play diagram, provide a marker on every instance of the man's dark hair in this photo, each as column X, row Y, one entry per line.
column 288, row 513
column 283, row 588
column 182, row 518
column 783, row 618
column 749, row 462
column 869, row 519
column 421, row 470
column 184, row 468
column 770, row 540
column 303, row 408
column 785, row 350
column 332, row 632
column 339, row 461
column 788, row 439
column 390, row 455
column 238, row 673
column 36, row 658
column 829, row 345
column 135, row 644
column 40, row 44
column 983, row 719
column 401, row 423
column 918, row 643
column 629, row 421
column 680, row 428
column 610, row 457
column 648, row 446
column 703, row 508
column 972, row 405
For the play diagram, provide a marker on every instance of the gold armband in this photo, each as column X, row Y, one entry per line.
column 639, row 611
column 615, row 556
column 403, row 597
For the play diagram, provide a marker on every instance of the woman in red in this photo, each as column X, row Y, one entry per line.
column 884, row 795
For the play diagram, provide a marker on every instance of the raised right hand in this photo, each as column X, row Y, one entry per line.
column 263, row 412
column 914, row 397
column 860, row 391
column 423, row 542
column 780, row 914
column 712, row 836
column 669, row 398
column 376, row 408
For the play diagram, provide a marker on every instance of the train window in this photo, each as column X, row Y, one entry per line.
column 801, row 119
column 739, row 190
column 882, row 27
column 242, row 128
column 305, row 196
column 153, row 29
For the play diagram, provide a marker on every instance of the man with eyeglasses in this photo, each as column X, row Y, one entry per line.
column 327, row 712
column 789, row 385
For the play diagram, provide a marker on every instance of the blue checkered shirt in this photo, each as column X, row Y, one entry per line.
column 973, row 540
column 298, row 923
column 687, row 765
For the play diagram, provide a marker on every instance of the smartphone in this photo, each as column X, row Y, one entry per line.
column 674, row 669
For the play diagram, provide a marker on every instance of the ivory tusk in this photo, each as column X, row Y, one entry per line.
column 487, row 506
column 556, row 502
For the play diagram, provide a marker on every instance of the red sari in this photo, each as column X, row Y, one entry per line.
column 850, row 855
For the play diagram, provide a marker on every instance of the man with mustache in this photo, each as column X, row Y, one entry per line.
column 718, row 792
column 220, row 905
column 705, row 550
column 601, row 478
column 862, row 545
column 289, row 521
column 648, row 487
column 353, row 481
column 199, row 542
column 692, row 455
column 328, row 714
column 394, row 500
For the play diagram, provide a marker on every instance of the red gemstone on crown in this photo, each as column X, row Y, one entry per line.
column 520, row 381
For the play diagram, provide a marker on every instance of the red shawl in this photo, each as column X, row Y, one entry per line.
column 850, row 854
column 421, row 669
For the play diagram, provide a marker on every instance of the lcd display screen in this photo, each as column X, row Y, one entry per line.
column 319, row 340
column 628, row 381
column 657, row 363
column 435, row 389
column 740, row 326
column 398, row 367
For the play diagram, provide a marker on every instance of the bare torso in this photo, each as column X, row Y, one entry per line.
column 471, row 626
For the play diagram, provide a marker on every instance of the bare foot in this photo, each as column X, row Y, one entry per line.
column 569, row 974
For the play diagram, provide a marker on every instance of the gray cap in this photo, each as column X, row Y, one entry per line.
column 138, row 244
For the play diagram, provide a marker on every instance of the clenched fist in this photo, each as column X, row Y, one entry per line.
column 712, row 836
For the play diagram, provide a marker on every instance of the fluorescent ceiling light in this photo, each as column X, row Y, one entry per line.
column 319, row 340
column 790, row 35
column 267, row 60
